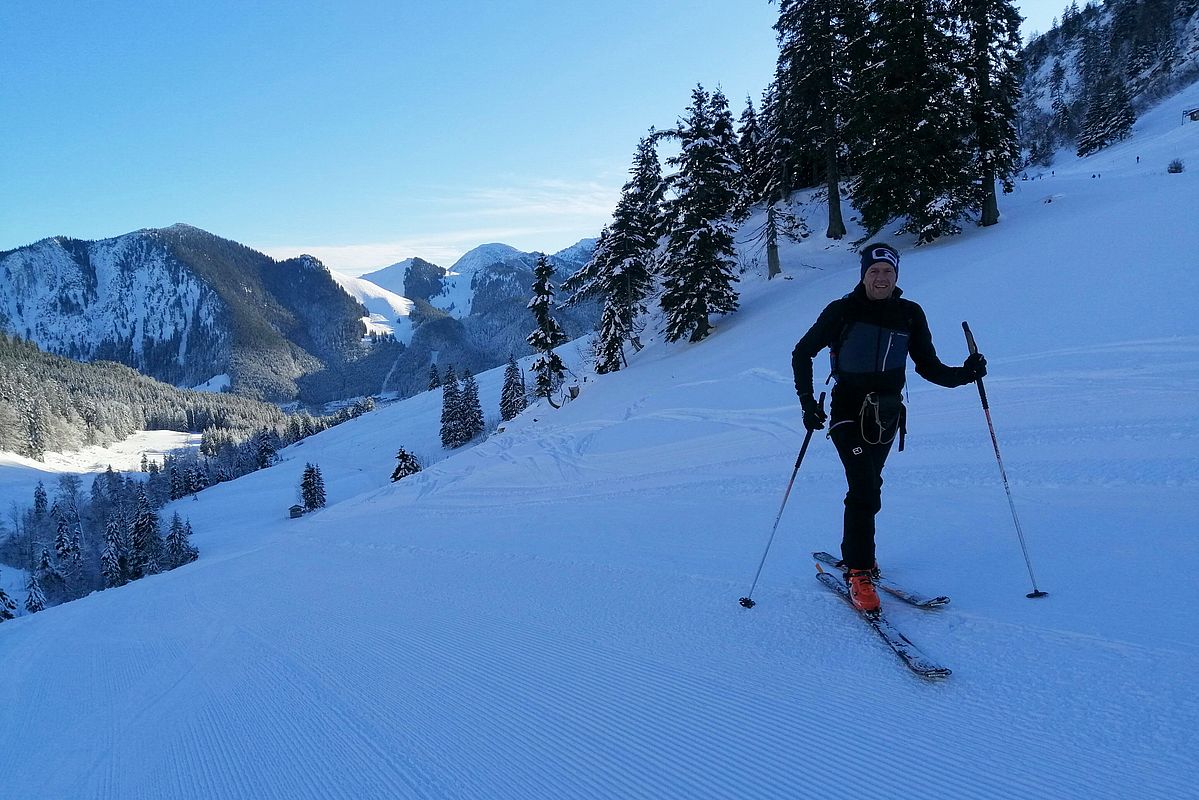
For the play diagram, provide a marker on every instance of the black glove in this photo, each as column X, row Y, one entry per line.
column 813, row 415
column 975, row 367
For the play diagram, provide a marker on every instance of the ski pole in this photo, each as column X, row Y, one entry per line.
column 982, row 395
column 747, row 601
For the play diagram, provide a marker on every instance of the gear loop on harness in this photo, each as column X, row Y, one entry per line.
column 871, row 416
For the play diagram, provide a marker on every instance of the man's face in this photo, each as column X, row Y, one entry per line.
column 879, row 280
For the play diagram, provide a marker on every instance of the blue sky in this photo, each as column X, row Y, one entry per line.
column 361, row 132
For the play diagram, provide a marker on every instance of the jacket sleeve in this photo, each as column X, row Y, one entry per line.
column 818, row 337
column 924, row 355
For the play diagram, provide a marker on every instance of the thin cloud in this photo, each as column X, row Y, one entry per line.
column 530, row 216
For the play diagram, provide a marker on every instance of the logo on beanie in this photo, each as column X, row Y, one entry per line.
column 880, row 252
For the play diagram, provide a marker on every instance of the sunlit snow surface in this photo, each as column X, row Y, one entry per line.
column 553, row 613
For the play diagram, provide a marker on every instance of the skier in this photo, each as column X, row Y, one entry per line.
column 870, row 333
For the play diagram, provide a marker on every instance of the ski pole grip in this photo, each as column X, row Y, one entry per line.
column 982, row 393
column 969, row 338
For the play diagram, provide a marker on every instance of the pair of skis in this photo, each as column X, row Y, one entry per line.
column 902, row 646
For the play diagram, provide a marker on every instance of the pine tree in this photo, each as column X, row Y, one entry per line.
column 114, row 561
column 698, row 260
column 145, row 540
column 312, row 488
column 993, row 34
column 407, row 465
column 548, row 368
column 913, row 123
column 40, row 501
column 753, row 158
column 620, row 270
column 820, row 48
column 266, row 449
column 179, row 550
column 512, row 395
column 1109, row 117
column 451, row 411
column 472, row 410
column 7, row 606
column 434, row 378
column 49, row 578
column 35, row 598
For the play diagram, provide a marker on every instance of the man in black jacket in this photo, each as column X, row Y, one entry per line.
column 870, row 333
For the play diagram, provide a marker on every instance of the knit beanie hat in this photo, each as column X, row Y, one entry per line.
column 879, row 251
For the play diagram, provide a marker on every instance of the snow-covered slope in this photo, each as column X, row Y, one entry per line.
column 388, row 311
column 458, row 289
column 114, row 299
column 553, row 613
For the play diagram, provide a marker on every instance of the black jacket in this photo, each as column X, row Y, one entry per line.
column 870, row 341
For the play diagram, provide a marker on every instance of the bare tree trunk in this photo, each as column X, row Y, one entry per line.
column 836, row 225
column 990, row 209
column 772, row 245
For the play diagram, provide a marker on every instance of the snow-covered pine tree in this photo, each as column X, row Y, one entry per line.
column 434, row 378
column 145, row 539
column 49, row 578
column 626, row 276
column 472, row 410
column 451, row 411
column 512, row 395
column 820, row 47
column 312, row 488
column 548, row 369
column 407, row 464
column 753, row 157
column 1109, row 116
column 66, row 546
column 178, row 550
column 698, row 262
column 992, row 31
column 7, row 606
column 40, row 501
column 266, row 448
column 35, row 598
column 114, row 561
column 319, row 485
column 913, row 122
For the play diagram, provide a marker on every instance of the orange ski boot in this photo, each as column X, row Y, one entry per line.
column 861, row 591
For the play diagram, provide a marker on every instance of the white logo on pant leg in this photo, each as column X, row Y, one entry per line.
column 857, row 451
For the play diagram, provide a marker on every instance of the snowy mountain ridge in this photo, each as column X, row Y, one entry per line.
column 124, row 299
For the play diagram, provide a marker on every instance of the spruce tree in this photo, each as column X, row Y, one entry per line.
column 434, row 378
column 114, row 561
column 1109, row 117
column 145, row 539
column 40, row 501
column 407, row 464
column 512, row 395
column 548, row 369
column 312, row 488
column 35, row 598
column 992, row 29
column 753, row 157
column 913, row 122
column 179, row 550
column 624, row 275
column 820, row 48
column 49, row 579
column 7, row 606
column 472, row 411
column 451, row 411
column 699, row 258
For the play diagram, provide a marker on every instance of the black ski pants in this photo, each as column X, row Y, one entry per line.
column 863, row 463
